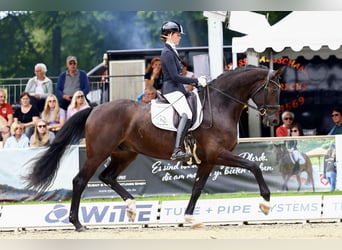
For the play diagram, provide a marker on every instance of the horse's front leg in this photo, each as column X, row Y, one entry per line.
column 227, row 158
column 201, row 178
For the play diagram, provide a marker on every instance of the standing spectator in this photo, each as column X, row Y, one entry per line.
column 78, row 103
column 5, row 134
column 185, row 72
column 27, row 114
column 53, row 114
column 18, row 139
column 284, row 129
column 41, row 136
column 6, row 112
column 329, row 171
column 153, row 75
column 337, row 119
column 70, row 81
column 39, row 87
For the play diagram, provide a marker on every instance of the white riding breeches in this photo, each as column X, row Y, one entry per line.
column 297, row 156
column 179, row 102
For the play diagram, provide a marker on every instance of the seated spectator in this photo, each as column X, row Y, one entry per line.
column 284, row 129
column 153, row 75
column 18, row 138
column 78, row 102
column 53, row 114
column 336, row 116
column 70, row 81
column 6, row 112
column 41, row 136
column 149, row 94
column 27, row 114
column 39, row 87
column 5, row 133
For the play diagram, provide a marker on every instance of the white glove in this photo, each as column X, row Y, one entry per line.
column 202, row 81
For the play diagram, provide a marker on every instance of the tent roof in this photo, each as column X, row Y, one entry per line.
column 306, row 33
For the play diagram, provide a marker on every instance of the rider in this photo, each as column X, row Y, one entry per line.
column 173, row 89
column 298, row 158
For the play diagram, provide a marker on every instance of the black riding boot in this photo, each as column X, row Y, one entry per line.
column 178, row 154
column 297, row 167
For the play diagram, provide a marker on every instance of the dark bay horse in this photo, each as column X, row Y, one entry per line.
column 122, row 129
column 287, row 167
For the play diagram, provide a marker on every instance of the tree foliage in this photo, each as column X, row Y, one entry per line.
column 50, row 36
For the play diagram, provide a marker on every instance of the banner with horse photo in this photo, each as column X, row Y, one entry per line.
column 148, row 176
column 154, row 177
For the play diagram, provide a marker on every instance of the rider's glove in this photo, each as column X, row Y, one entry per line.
column 202, row 81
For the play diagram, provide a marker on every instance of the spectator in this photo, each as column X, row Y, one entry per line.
column 53, row 114
column 39, row 87
column 153, row 75
column 149, row 94
column 329, row 171
column 337, row 119
column 78, row 103
column 5, row 133
column 185, row 72
column 41, row 136
column 6, row 112
column 27, row 114
column 18, row 138
column 283, row 130
column 70, row 81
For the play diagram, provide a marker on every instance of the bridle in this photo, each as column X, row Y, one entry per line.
column 264, row 107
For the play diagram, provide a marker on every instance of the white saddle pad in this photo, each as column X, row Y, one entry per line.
column 162, row 115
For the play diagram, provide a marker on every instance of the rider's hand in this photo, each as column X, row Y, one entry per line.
column 202, row 81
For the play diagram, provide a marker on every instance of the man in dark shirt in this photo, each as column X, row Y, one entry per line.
column 70, row 81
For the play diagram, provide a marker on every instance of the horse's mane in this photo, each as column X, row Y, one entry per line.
column 238, row 70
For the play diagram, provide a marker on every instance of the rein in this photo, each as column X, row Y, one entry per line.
column 262, row 110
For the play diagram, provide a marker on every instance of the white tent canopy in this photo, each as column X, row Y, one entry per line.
column 301, row 33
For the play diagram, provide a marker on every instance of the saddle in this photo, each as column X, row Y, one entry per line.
column 164, row 116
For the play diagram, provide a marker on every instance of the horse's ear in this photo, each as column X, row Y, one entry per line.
column 278, row 72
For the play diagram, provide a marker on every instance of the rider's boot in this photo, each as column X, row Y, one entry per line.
column 178, row 154
column 297, row 166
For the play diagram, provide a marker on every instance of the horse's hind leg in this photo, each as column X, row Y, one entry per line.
column 298, row 181
column 79, row 183
column 119, row 161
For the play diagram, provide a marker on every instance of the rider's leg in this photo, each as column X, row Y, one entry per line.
column 178, row 154
column 180, row 104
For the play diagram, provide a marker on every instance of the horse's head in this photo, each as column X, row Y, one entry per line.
column 279, row 150
column 266, row 97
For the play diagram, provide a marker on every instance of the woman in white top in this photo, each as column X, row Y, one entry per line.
column 39, row 87
column 53, row 114
column 78, row 102
column 18, row 139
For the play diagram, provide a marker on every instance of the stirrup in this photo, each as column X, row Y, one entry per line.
column 179, row 155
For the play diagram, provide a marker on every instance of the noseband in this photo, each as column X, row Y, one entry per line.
column 263, row 108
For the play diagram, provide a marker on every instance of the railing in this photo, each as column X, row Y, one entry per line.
column 15, row 86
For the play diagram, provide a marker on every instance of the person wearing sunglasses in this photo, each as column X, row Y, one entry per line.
column 18, row 138
column 297, row 157
column 41, row 136
column 78, row 102
column 70, row 81
column 284, row 129
column 337, row 119
column 53, row 114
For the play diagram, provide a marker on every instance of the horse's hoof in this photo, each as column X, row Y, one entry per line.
column 194, row 224
column 265, row 207
column 131, row 210
column 81, row 229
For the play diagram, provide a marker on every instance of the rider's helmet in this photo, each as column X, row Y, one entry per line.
column 170, row 27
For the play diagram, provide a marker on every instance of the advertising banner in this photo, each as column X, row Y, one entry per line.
column 152, row 177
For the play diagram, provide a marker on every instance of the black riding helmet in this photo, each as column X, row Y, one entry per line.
column 170, row 27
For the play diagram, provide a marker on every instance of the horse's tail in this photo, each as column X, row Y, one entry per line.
column 45, row 166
